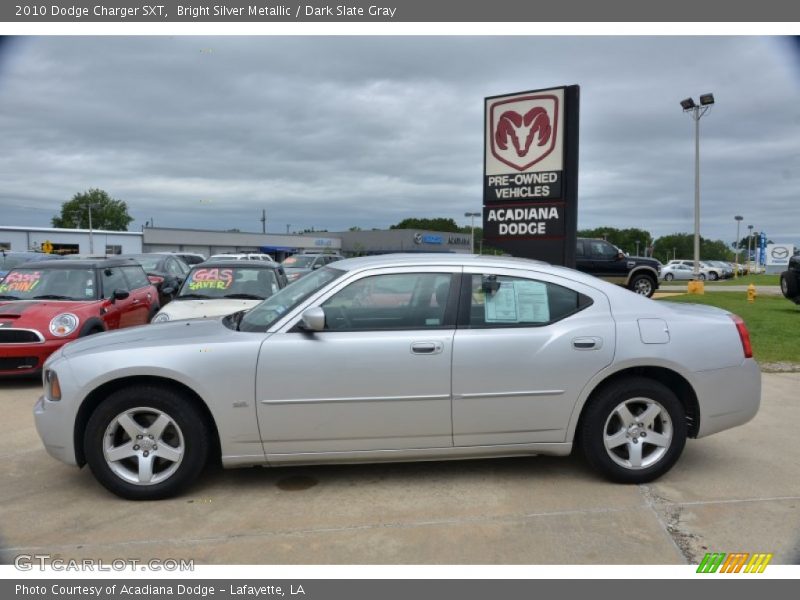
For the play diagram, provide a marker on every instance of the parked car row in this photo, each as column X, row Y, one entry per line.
column 46, row 303
column 711, row 270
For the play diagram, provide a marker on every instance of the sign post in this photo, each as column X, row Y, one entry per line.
column 530, row 183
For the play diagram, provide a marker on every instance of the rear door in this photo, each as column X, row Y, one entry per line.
column 525, row 347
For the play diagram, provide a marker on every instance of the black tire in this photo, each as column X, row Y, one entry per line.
column 713, row 276
column 789, row 287
column 669, row 277
column 186, row 436
column 643, row 285
column 601, row 421
column 153, row 312
column 701, row 276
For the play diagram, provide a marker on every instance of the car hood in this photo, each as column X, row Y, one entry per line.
column 164, row 334
column 24, row 311
column 199, row 309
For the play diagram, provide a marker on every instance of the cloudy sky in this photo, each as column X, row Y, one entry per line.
column 335, row 132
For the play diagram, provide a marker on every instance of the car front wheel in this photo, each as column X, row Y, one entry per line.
column 789, row 287
column 669, row 277
column 146, row 442
column 633, row 431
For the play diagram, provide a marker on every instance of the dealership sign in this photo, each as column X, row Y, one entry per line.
column 530, row 173
column 779, row 254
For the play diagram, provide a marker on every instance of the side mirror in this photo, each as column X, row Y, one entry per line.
column 119, row 295
column 313, row 319
column 489, row 284
column 621, row 256
column 316, row 266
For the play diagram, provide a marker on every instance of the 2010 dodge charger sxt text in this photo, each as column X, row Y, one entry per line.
column 398, row 358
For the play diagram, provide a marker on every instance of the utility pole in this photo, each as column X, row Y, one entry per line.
column 263, row 220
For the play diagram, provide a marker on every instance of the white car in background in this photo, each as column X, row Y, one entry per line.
column 218, row 288
column 682, row 272
column 243, row 256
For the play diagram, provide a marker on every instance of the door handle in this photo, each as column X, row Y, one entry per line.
column 426, row 347
column 587, row 343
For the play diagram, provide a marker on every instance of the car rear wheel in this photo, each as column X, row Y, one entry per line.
column 146, row 443
column 669, row 277
column 713, row 276
column 633, row 431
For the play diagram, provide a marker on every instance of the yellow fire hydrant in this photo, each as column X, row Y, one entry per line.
column 751, row 293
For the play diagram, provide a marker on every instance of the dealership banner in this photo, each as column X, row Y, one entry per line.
column 530, row 174
column 396, row 11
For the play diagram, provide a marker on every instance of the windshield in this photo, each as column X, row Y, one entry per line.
column 274, row 307
column 49, row 284
column 149, row 263
column 229, row 282
column 299, row 261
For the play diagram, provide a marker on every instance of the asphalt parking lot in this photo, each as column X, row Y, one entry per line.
column 738, row 491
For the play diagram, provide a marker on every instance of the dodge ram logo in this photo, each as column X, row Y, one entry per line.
column 524, row 130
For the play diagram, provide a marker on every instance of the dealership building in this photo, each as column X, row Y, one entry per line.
column 208, row 242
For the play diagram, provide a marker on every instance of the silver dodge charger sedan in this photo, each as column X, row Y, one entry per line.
column 401, row 358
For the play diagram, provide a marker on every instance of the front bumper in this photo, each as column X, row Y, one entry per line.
column 26, row 359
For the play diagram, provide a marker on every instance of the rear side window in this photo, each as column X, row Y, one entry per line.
column 136, row 277
column 503, row 301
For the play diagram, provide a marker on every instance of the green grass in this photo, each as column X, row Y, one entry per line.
column 748, row 279
column 773, row 322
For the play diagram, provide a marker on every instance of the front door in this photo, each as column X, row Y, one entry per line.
column 377, row 377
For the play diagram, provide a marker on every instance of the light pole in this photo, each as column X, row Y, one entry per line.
column 637, row 247
column 739, row 219
column 697, row 111
column 749, row 239
column 472, row 216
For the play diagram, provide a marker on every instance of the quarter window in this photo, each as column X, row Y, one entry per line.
column 502, row 301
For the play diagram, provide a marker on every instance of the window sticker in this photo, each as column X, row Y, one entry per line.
column 21, row 282
column 218, row 279
column 518, row 302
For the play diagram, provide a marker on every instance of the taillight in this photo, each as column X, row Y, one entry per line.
column 744, row 335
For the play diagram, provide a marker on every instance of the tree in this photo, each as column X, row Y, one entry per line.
column 106, row 212
column 624, row 239
column 681, row 245
column 438, row 224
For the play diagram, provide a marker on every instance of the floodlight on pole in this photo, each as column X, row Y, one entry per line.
column 472, row 216
column 697, row 111
column 739, row 219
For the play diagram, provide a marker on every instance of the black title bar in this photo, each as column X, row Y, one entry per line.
column 400, row 11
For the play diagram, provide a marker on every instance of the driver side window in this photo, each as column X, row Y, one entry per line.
column 392, row 301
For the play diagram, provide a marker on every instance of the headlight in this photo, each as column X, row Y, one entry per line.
column 52, row 386
column 160, row 318
column 64, row 324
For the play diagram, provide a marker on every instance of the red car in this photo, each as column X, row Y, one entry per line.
column 44, row 305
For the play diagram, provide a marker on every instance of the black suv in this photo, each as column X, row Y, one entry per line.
column 790, row 280
column 604, row 260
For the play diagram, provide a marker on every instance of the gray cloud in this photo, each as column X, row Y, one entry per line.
column 332, row 132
